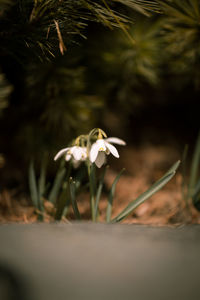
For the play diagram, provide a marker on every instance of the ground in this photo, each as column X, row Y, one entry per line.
column 144, row 165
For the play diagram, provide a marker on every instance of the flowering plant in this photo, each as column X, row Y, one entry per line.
column 91, row 150
column 81, row 149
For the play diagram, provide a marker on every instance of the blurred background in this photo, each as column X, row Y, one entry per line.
column 129, row 67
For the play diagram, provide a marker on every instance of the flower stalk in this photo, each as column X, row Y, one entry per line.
column 91, row 176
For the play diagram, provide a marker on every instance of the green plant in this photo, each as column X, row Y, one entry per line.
column 91, row 150
column 40, row 189
column 191, row 179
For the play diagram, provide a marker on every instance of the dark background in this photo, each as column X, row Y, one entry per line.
column 137, row 79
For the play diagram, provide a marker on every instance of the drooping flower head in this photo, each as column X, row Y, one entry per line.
column 103, row 147
column 76, row 153
column 82, row 149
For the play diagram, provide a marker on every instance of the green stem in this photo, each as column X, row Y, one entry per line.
column 73, row 199
column 92, row 191
column 98, row 194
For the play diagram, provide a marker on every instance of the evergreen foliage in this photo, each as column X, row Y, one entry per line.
column 36, row 27
column 55, row 83
column 41, row 57
column 181, row 34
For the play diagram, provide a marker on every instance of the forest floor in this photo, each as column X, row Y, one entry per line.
column 144, row 165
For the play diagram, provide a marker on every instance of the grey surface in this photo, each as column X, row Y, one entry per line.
column 96, row 261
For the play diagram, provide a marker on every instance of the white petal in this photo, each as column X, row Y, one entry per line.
column 68, row 157
column 77, row 152
column 60, row 153
column 101, row 144
column 100, row 160
column 94, row 152
column 115, row 140
column 112, row 149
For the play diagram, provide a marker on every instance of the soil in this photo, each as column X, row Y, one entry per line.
column 144, row 165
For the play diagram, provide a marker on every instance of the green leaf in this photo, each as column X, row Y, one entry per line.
column 63, row 201
column 99, row 191
column 42, row 183
column 92, row 181
column 184, row 172
column 73, row 199
column 66, row 208
column 93, row 178
column 194, row 167
column 33, row 185
column 143, row 6
column 172, row 169
column 153, row 189
column 195, row 196
column 111, row 196
column 57, row 183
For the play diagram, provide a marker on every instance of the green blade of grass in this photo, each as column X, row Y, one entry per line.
column 66, row 208
column 63, row 201
column 92, row 182
column 93, row 177
column 152, row 190
column 194, row 167
column 111, row 196
column 73, row 199
column 184, row 185
column 173, row 169
column 80, row 175
column 42, row 178
column 197, row 188
column 99, row 191
column 42, row 183
column 195, row 195
column 33, row 185
column 53, row 195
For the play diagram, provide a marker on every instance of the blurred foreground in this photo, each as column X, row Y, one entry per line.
column 95, row 261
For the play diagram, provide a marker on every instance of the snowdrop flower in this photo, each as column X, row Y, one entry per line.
column 76, row 153
column 102, row 147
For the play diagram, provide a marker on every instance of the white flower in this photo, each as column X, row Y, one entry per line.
column 102, row 147
column 76, row 153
